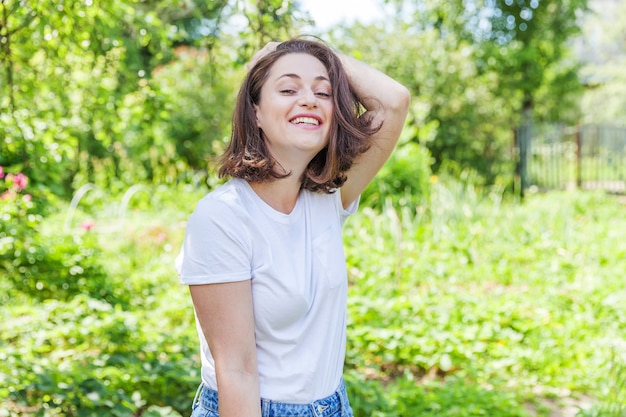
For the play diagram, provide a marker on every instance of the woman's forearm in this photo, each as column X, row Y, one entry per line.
column 238, row 394
column 386, row 102
column 226, row 317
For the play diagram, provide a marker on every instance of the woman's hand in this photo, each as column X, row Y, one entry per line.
column 269, row 47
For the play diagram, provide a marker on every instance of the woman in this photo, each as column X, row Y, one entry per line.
column 263, row 254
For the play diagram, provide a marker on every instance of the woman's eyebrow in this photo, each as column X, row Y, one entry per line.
column 296, row 76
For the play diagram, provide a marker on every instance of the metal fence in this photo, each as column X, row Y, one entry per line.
column 586, row 156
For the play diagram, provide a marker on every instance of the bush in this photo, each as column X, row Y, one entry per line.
column 41, row 265
column 19, row 222
column 403, row 181
column 59, row 267
column 17, row 211
column 405, row 397
column 85, row 357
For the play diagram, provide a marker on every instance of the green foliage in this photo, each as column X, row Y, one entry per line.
column 403, row 398
column 526, row 42
column 82, row 352
column 456, row 111
column 403, row 181
column 489, row 293
column 468, row 305
column 57, row 267
column 198, row 100
column 604, row 55
column 39, row 265
column 141, row 92
column 67, row 69
column 81, row 98
column 475, row 71
column 613, row 393
column 267, row 21
column 18, row 225
column 85, row 357
column 17, row 212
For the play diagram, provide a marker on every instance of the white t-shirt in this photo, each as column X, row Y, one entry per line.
column 299, row 283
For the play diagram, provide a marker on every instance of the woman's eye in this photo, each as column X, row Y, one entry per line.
column 287, row 91
column 323, row 94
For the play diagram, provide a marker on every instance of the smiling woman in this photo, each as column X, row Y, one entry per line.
column 248, row 156
column 263, row 253
column 295, row 111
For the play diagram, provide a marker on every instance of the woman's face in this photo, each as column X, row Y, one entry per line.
column 295, row 110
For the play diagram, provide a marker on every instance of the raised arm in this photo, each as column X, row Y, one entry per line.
column 227, row 321
column 388, row 102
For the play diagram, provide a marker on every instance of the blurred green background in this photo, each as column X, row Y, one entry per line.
column 466, row 299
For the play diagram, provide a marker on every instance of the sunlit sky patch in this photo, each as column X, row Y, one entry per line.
column 327, row 13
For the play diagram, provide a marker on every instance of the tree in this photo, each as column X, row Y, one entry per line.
column 526, row 42
column 602, row 48
column 474, row 68
column 78, row 98
column 67, row 67
column 454, row 111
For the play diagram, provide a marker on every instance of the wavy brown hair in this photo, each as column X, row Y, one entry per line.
column 247, row 155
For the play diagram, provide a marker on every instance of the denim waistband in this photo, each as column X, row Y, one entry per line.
column 324, row 407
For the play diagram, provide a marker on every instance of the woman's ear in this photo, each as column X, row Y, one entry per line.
column 256, row 115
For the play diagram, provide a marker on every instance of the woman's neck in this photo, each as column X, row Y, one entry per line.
column 281, row 195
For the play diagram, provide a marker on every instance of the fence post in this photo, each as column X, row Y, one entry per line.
column 522, row 144
column 517, row 175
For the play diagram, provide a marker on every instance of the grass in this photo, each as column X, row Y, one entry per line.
column 471, row 306
column 519, row 299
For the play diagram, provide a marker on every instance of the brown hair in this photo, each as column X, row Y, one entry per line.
column 247, row 155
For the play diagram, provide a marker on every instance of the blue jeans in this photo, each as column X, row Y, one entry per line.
column 335, row 405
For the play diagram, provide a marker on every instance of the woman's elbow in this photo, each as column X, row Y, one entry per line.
column 404, row 99
column 398, row 106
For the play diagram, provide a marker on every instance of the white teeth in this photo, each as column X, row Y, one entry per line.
column 306, row 120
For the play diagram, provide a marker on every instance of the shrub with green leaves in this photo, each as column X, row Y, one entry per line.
column 19, row 221
column 85, row 357
column 404, row 181
column 520, row 298
column 41, row 264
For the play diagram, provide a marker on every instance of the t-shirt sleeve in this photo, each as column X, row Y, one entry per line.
column 216, row 247
column 350, row 210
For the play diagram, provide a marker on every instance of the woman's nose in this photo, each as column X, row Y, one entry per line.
column 308, row 99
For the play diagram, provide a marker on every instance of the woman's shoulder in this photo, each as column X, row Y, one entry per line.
column 227, row 200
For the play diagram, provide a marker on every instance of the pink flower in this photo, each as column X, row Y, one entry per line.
column 87, row 225
column 1, row 172
column 7, row 195
column 27, row 197
column 20, row 180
